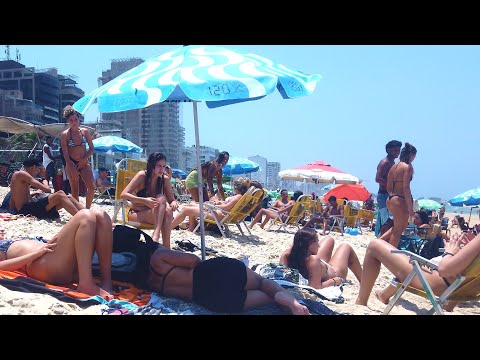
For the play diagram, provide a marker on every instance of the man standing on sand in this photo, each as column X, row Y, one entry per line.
column 48, row 160
column 38, row 203
column 384, row 166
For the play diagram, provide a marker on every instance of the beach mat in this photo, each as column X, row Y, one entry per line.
column 124, row 292
column 161, row 305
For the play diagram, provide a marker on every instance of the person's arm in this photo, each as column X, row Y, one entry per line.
column 19, row 262
column 341, row 209
column 35, row 183
column 69, row 165
column 457, row 259
column 381, row 176
column 229, row 205
column 169, row 193
column 407, row 176
column 210, row 175
column 137, row 182
column 220, row 185
column 284, row 257
column 46, row 150
column 91, row 148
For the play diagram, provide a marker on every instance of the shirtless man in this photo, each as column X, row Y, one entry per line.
column 333, row 210
column 393, row 151
column 280, row 206
column 43, row 207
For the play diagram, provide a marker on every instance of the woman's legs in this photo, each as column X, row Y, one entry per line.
column 398, row 208
column 186, row 211
column 103, row 248
column 74, row 187
column 194, row 193
column 87, row 177
column 167, row 226
column 158, row 215
column 262, row 291
column 73, row 255
column 344, row 259
column 325, row 248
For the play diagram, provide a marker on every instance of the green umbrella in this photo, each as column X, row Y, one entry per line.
column 429, row 204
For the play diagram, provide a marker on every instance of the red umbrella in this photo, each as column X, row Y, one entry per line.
column 351, row 192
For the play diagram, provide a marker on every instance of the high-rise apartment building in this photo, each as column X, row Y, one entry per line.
column 273, row 168
column 27, row 92
column 260, row 175
column 155, row 128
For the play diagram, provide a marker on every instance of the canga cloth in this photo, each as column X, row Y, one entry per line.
column 19, row 281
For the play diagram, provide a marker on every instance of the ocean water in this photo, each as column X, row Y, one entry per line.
column 462, row 210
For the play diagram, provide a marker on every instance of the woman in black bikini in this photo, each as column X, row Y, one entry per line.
column 67, row 256
column 149, row 192
column 400, row 201
column 76, row 156
column 313, row 259
column 459, row 253
column 219, row 284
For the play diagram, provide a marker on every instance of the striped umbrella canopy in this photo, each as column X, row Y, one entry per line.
column 238, row 166
column 115, row 144
column 217, row 75
column 318, row 172
column 467, row 198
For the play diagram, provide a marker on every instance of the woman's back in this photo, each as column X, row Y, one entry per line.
column 396, row 179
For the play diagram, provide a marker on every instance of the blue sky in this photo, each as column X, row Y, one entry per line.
column 426, row 95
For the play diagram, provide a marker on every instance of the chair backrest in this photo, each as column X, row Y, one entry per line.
column 247, row 203
column 366, row 215
column 136, row 165
column 123, row 179
column 469, row 290
column 298, row 209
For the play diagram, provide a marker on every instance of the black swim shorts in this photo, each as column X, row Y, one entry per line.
column 37, row 208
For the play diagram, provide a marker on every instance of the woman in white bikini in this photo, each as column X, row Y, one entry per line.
column 314, row 259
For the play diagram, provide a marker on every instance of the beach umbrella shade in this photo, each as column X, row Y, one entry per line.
column 115, row 144
column 179, row 172
column 428, row 204
column 318, row 172
column 216, row 75
column 467, row 198
column 356, row 192
column 238, row 166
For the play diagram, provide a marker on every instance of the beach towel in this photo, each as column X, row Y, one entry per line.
column 159, row 305
column 19, row 281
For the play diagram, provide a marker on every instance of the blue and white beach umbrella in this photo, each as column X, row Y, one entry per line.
column 216, row 75
column 468, row 198
column 238, row 166
column 182, row 173
column 115, row 144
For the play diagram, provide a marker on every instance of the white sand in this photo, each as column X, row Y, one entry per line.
column 261, row 247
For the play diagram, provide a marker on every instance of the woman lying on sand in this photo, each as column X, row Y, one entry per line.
column 219, row 284
column 456, row 258
column 313, row 259
column 67, row 257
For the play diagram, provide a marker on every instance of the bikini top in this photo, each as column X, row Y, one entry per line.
column 71, row 143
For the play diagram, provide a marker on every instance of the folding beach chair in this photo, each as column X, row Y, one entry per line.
column 293, row 217
column 122, row 180
column 236, row 216
column 99, row 193
column 466, row 286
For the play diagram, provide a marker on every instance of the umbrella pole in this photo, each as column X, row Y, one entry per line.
column 200, row 182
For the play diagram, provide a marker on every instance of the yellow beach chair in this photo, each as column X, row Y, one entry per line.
column 297, row 211
column 236, row 216
column 465, row 288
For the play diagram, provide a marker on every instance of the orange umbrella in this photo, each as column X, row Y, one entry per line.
column 349, row 191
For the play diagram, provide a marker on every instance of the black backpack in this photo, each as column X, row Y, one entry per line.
column 430, row 248
column 127, row 241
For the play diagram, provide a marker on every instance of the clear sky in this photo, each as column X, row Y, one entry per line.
column 426, row 95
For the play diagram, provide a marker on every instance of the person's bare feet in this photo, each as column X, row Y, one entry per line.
column 381, row 297
column 285, row 299
column 94, row 290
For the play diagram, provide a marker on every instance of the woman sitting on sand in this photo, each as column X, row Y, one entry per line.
column 151, row 194
column 67, row 256
column 313, row 259
column 240, row 187
column 400, row 201
column 460, row 251
column 219, row 284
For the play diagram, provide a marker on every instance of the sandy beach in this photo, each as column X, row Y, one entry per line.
column 261, row 247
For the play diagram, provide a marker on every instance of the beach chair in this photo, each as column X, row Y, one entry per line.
column 366, row 217
column 293, row 217
column 99, row 193
column 236, row 216
column 465, row 288
column 123, row 178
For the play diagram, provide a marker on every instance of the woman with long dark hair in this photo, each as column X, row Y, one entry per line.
column 74, row 142
column 400, row 201
column 210, row 170
column 149, row 192
column 317, row 263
